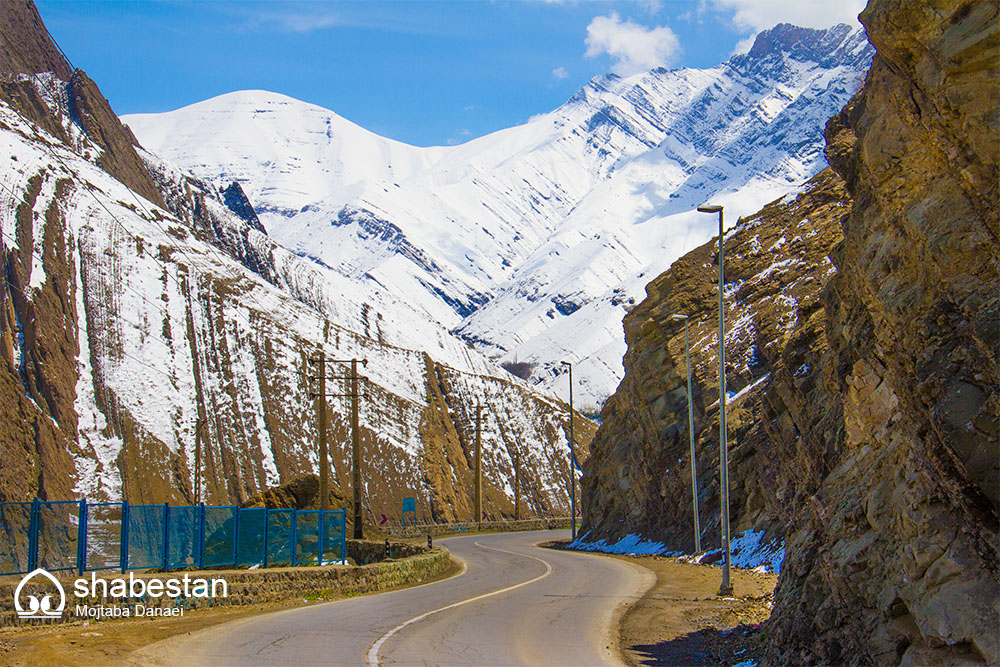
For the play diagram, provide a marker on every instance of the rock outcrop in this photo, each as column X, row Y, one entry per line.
column 872, row 445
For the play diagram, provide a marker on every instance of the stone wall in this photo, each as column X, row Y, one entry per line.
column 270, row 585
column 454, row 529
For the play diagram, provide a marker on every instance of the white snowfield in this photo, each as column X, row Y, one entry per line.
column 532, row 242
column 157, row 337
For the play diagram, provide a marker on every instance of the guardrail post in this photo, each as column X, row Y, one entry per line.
column 81, row 538
column 295, row 536
column 236, row 536
column 201, row 538
column 124, row 538
column 166, row 533
column 267, row 522
column 33, row 536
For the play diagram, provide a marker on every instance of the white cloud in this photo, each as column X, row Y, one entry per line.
column 634, row 48
column 560, row 73
column 745, row 44
column 763, row 14
column 303, row 21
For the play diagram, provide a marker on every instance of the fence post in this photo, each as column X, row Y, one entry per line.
column 267, row 516
column 125, row 536
column 81, row 538
column 201, row 538
column 166, row 533
column 295, row 536
column 322, row 533
column 343, row 536
column 33, row 536
column 236, row 536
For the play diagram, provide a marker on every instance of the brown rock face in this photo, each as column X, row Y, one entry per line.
column 91, row 110
column 26, row 47
column 873, row 444
column 638, row 476
column 896, row 558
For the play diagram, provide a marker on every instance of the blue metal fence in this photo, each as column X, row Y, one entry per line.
column 82, row 536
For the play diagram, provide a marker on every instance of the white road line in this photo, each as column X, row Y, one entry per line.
column 373, row 651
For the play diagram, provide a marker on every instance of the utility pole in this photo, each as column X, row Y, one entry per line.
column 678, row 317
column 321, row 397
column 324, row 454
column 479, row 465
column 197, row 458
column 356, row 451
column 572, row 455
column 517, row 486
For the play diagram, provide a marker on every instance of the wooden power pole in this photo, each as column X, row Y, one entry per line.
column 324, row 462
column 324, row 455
column 479, row 464
column 517, row 486
column 356, row 452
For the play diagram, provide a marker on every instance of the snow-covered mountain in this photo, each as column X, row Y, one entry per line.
column 533, row 241
column 142, row 307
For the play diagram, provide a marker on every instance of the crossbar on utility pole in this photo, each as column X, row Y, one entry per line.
column 479, row 465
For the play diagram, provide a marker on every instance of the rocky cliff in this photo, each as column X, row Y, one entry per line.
column 136, row 306
column 870, row 439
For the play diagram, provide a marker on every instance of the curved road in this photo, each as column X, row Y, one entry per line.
column 514, row 604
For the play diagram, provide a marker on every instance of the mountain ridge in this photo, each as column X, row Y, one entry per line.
column 531, row 242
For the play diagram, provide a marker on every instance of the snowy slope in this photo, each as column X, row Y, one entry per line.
column 166, row 327
column 532, row 241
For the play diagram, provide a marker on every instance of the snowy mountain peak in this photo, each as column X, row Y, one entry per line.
column 532, row 242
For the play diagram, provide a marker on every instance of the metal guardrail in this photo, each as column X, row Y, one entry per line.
column 82, row 536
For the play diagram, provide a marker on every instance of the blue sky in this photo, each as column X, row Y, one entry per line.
column 420, row 71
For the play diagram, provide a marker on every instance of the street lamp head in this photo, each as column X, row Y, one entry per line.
column 677, row 317
column 709, row 208
column 566, row 363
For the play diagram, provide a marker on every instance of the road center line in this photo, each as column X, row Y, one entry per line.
column 373, row 651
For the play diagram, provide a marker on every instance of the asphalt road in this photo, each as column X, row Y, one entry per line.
column 514, row 604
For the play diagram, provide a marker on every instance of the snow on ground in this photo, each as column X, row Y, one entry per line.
column 748, row 550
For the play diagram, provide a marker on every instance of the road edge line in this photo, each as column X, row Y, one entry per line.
column 372, row 657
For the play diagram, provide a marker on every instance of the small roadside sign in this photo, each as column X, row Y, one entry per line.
column 410, row 505
column 384, row 520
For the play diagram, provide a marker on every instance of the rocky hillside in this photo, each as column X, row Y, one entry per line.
column 867, row 434
column 139, row 301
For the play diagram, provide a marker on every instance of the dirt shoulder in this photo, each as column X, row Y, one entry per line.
column 110, row 642
column 681, row 620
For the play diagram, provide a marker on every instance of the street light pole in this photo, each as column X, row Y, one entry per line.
column 727, row 587
column 572, row 455
column 694, row 461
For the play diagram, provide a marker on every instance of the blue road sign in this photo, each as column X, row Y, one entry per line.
column 409, row 504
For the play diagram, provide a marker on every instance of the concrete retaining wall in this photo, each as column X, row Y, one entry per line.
column 255, row 586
